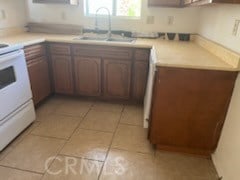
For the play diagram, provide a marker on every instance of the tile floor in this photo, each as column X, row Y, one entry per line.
column 86, row 140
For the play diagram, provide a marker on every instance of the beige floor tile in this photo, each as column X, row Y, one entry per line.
column 185, row 166
column 5, row 151
column 105, row 106
column 133, row 115
column 57, row 99
column 70, row 168
column 74, row 107
column 101, row 121
column 88, row 144
column 128, row 166
column 13, row 174
column 32, row 152
column 132, row 138
column 24, row 134
column 57, row 126
column 17, row 140
column 46, row 109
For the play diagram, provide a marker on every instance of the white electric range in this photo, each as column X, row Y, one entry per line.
column 16, row 106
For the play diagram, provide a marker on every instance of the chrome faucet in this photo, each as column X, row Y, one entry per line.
column 109, row 34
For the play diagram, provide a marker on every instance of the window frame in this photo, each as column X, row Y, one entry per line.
column 114, row 11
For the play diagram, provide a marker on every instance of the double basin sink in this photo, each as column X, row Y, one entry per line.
column 123, row 39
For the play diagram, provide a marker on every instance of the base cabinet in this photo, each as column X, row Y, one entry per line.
column 38, row 69
column 62, row 74
column 117, row 78
column 189, row 109
column 40, row 80
column 87, row 75
column 140, row 80
column 117, row 73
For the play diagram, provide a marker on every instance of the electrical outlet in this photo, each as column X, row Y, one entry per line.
column 2, row 14
column 150, row 19
column 170, row 20
column 63, row 16
column 236, row 27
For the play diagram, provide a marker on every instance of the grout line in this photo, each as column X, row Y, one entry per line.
column 84, row 158
column 25, row 170
column 96, row 130
column 109, row 148
column 50, row 137
column 146, row 153
column 60, row 149
column 131, row 125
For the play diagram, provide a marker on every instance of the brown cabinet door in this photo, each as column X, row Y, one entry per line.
column 87, row 75
column 166, row 3
column 139, row 80
column 62, row 74
column 189, row 109
column 117, row 78
column 39, row 79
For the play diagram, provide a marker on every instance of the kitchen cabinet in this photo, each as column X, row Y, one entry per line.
column 106, row 72
column 62, row 68
column 140, row 80
column 117, row 78
column 87, row 75
column 140, row 73
column 38, row 69
column 189, row 109
column 62, row 74
column 205, row 2
column 165, row 3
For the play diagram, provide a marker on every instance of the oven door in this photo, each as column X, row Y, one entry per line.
column 14, row 83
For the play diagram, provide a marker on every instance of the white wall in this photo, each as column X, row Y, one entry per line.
column 186, row 20
column 216, row 23
column 15, row 11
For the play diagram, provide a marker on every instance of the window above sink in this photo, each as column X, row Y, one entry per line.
column 118, row 8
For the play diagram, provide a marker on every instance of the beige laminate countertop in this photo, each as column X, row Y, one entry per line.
column 168, row 53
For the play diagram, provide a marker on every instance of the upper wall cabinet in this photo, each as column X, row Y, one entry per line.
column 70, row 2
column 204, row 2
column 184, row 3
column 164, row 3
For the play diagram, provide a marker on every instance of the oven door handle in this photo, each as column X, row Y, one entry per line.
column 11, row 56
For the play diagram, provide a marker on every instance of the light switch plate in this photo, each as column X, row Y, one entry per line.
column 150, row 19
column 2, row 14
column 170, row 20
column 236, row 27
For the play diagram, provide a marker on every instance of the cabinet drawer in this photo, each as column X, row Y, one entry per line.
column 103, row 51
column 142, row 54
column 61, row 49
column 34, row 51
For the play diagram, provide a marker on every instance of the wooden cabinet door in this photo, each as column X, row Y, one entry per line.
column 62, row 74
column 117, row 78
column 39, row 79
column 189, row 109
column 87, row 75
column 187, row 2
column 166, row 3
column 139, row 80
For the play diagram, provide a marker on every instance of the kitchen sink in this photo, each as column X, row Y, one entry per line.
column 126, row 40
column 92, row 38
column 129, row 40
